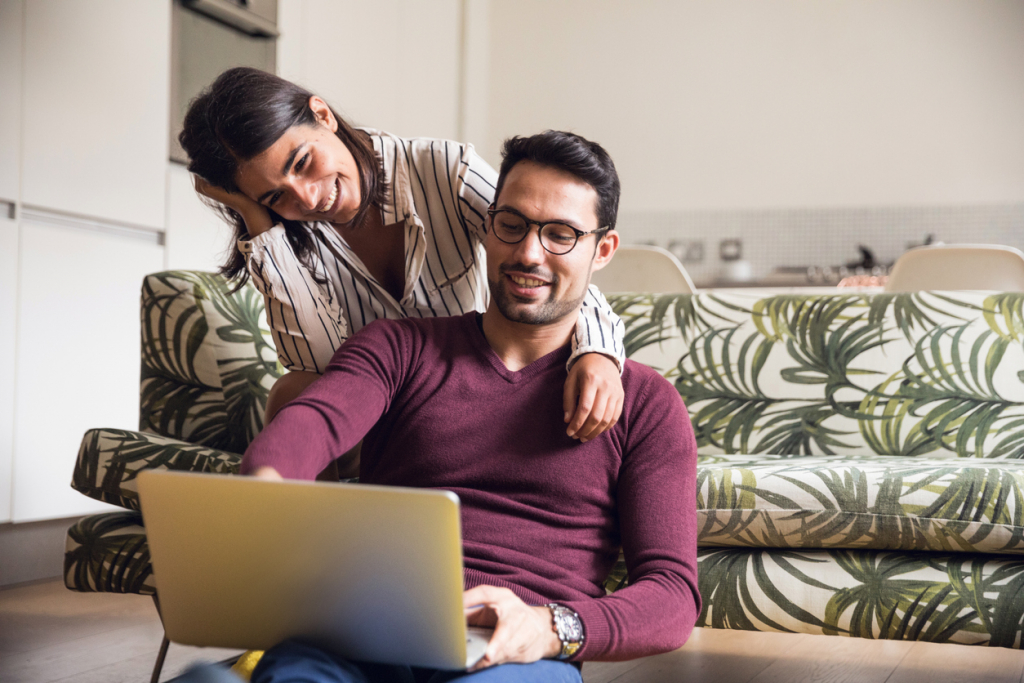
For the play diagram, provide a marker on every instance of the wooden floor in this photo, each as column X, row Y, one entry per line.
column 50, row 634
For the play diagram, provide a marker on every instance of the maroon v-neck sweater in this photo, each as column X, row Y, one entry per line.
column 542, row 514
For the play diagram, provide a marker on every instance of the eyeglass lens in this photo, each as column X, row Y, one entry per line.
column 558, row 238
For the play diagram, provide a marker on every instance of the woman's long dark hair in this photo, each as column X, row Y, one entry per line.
column 239, row 117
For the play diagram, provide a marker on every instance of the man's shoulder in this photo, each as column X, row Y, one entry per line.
column 637, row 375
column 642, row 383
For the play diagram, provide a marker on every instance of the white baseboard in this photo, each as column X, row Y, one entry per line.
column 32, row 550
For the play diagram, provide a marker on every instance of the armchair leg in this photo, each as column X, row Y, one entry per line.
column 162, row 655
column 158, row 667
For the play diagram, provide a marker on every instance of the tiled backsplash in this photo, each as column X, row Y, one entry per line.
column 822, row 237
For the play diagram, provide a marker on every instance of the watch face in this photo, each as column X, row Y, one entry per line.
column 569, row 626
column 573, row 628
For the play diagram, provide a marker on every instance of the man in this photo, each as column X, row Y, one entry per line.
column 469, row 404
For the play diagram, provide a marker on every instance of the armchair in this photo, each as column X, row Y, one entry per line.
column 207, row 367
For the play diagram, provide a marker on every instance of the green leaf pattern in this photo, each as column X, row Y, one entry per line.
column 108, row 553
column 861, row 464
column 207, row 360
column 110, row 459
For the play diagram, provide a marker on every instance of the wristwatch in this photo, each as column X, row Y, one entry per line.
column 569, row 628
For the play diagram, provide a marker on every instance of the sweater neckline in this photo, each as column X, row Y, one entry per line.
column 558, row 357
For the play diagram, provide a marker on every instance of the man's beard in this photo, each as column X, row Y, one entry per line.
column 541, row 313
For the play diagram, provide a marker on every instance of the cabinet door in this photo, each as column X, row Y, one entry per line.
column 96, row 98
column 10, row 98
column 78, row 355
column 8, row 315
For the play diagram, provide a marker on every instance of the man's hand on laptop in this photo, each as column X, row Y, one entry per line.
column 522, row 633
column 266, row 472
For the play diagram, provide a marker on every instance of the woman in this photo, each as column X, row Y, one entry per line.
column 339, row 226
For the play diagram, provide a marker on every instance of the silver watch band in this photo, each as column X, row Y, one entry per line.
column 568, row 627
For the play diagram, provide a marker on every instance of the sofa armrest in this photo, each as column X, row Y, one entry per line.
column 110, row 459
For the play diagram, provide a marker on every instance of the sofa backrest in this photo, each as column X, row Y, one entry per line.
column 208, row 361
column 937, row 373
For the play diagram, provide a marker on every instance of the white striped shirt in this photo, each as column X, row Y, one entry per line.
column 440, row 190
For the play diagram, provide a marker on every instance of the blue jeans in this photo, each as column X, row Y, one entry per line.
column 298, row 662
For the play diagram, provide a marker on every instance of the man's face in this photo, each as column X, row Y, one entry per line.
column 528, row 284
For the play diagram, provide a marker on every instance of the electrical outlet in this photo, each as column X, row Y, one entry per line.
column 730, row 249
column 687, row 251
column 695, row 252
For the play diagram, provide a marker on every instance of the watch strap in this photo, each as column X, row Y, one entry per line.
column 568, row 627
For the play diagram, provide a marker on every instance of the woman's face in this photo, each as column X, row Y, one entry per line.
column 307, row 175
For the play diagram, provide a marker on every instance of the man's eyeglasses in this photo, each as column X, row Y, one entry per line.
column 511, row 227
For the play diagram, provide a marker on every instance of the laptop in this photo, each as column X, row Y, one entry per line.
column 371, row 573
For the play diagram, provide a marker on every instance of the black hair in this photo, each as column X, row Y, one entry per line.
column 239, row 117
column 573, row 154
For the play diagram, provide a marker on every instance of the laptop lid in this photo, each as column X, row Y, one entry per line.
column 372, row 573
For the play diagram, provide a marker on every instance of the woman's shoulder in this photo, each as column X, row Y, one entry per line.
column 419, row 150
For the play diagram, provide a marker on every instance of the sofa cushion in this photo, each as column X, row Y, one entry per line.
column 109, row 460
column 108, row 553
column 953, row 504
column 894, row 595
column 207, row 360
column 928, row 373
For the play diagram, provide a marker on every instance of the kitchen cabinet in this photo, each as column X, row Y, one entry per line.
column 96, row 98
column 8, row 313
column 11, row 13
column 77, row 353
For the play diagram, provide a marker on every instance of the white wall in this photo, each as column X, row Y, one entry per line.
column 197, row 238
column 790, row 103
column 388, row 64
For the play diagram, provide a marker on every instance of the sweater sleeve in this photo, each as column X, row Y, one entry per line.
column 598, row 329
column 304, row 316
column 658, row 520
column 339, row 408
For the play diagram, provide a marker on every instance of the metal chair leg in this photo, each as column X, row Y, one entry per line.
column 158, row 667
column 162, row 655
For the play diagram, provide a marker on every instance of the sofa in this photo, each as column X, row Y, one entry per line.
column 860, row 468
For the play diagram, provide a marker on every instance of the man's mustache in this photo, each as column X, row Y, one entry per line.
column 527, row 270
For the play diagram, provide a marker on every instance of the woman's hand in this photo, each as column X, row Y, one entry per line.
column 522, row 633
column 256, row 217
column 593, row 396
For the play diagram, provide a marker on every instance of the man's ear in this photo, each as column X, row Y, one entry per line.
column 323, row 113
column 605, row 249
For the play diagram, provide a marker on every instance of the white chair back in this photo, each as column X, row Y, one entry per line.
column 643, row 269
column 958, row 266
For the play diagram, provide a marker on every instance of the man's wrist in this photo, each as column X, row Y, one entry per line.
column 552, row 645
column 568, row 630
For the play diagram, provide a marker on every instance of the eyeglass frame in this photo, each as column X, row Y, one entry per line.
column 492, row 210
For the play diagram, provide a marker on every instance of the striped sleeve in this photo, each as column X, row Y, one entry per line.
column 598, row 330
column 475, row 184
column 304, row 316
